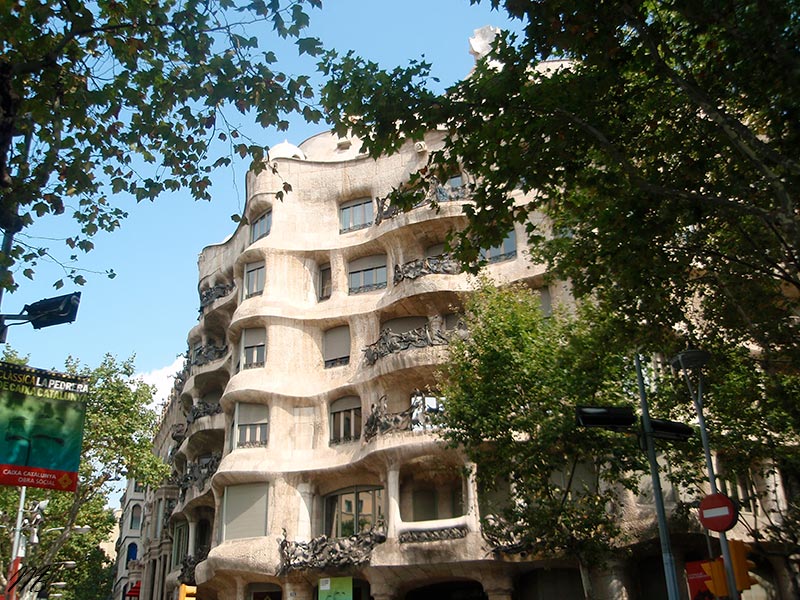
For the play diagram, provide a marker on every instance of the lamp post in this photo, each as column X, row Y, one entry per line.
column 622, row 418
column 667, row 557
column 688, row 362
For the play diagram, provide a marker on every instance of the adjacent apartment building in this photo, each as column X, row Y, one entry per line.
column 299, row 433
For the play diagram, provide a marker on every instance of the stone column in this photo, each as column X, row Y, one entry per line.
column 471, row 501
column 192, row 538
column 393, row 496
column 303, row 533
column 611, row 582
column 498, row 586
column 380, row 591
column 298, row 590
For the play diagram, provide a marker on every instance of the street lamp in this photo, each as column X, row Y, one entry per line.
column 622, row 418
column 687, row 363
column 44, row 313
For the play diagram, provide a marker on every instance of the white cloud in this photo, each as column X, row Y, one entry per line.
column 163, row 379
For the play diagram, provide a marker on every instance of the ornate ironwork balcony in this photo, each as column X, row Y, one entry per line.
column 189, row 564
column 442, row 264
column 418, row 416
column 337, row 362
column 178, row 432
column 202, row 409
column 326, row 554
column 198, row 473
column 436, row 194
column 203, row 355
column 208, row 296
column 390, row 342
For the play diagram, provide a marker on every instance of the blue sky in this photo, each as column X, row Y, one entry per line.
column 151, row 305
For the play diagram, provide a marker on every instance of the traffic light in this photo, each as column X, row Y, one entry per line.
column 741, row 564
column 616, row 418
column 671, row 430
column 53, row 311
column 718, row 584
column 187, row 591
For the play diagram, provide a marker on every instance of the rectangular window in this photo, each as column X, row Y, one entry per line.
column 252, row 425
column 455, row 181
column 254, row 348
column 546, row 301
column 325, row 282
column 244, row 511
column 356, row 214
column 367, row 274
column 506, row 250
column 336, row 346
column 345, row 420
column 180, row 543
column 425, row 408
column 352, row 511
column 261, row 226
column 253, row 279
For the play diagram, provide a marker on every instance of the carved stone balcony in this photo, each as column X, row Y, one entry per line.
column 390, row 342
column 443, row 264
column 433, row 535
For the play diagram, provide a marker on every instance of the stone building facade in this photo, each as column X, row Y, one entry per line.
column 299, row 431
column 127, row 571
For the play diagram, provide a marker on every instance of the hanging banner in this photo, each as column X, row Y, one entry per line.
column 41, row 427
column 336, row 588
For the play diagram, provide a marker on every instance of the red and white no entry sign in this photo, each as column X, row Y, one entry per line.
column 718, row 512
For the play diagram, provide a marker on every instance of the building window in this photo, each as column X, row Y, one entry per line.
column 244, row 511
column 367, row 274
column 424, row 410
column 251, row 423
column 455, row 181
column 506, row 250
column 136, row 517
column 336, row 346
column 546, row 300
column 435, row 250
column 356, row 214
column 261, row 226
column 325, row 283
column 138, row 488
column 352, row 511
column 345, row 419
column 132, row 552
column 254, row 348
column 254, row 279
column 180, row 543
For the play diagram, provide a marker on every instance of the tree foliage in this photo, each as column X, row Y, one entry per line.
column 510, row 395
column 107, row 97
column 511, row 388
column 663, row 149
column 117, row 444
